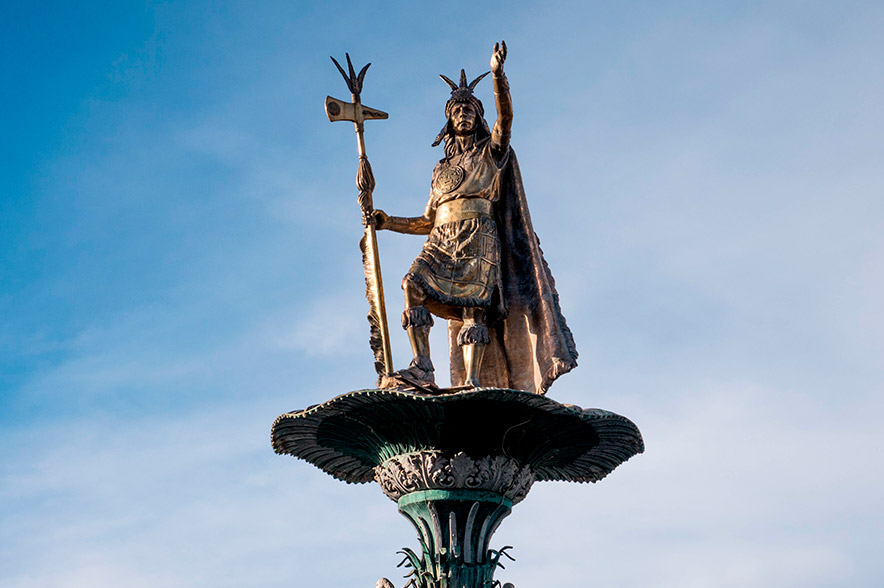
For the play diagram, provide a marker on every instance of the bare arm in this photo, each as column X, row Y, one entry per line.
column 415, row 225
column 500, row 135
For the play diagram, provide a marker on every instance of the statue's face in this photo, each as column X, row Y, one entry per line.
column 463, row 118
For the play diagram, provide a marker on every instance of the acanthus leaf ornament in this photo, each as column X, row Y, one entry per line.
column 432, row 470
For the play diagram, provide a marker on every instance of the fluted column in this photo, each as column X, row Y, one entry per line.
column 455, row 504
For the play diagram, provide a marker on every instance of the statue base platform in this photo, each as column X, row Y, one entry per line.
column 456, row 463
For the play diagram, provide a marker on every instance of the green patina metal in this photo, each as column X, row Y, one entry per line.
column 454, row 528
column 351, row 434
column 478, row 427
column 459, row 494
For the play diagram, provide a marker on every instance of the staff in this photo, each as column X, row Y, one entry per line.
column 374, row 285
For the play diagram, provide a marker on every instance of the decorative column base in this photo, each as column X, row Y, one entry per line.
column 455, row 504
column 455, row 464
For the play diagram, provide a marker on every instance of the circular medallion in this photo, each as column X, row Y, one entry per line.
column 449, row 178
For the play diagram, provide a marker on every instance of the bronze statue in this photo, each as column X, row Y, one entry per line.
column 456, row 460
column 481, row 268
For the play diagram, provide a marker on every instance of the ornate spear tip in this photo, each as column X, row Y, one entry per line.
column 340, row 69
column 354, row 81
column 350, row 67
column 361, row 77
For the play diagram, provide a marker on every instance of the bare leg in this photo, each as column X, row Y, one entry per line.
column 416, row 320
column 414, row 296
column 473, row 338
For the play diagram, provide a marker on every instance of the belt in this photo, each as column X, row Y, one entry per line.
column 461, row 209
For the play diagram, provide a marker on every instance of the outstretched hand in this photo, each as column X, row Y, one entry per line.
column 498, row 57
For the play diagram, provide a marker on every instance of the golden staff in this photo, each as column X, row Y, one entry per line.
column 356, row 113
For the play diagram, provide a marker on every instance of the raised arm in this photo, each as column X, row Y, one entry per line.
column 500, row 135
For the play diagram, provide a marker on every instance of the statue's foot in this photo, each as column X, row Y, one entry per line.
column 420, row 369
column 472, row 382
column 419, row 374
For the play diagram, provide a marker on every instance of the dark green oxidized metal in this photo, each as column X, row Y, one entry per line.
column 454, row 527
column 456, row 463
column 351, row 434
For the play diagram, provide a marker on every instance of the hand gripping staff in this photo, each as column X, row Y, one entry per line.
column 356, row 113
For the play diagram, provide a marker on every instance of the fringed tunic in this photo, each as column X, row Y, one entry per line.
column 459, row 265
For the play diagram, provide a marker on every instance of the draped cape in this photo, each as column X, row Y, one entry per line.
column 531, row 344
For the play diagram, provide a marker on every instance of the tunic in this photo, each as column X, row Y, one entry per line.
column 459, row 265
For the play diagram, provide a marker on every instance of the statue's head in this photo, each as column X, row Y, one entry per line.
column 464, row 112
column 463, row 118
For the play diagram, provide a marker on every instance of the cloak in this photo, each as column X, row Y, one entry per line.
column 531, row 344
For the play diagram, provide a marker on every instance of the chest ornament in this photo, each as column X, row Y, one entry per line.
column 449, row 178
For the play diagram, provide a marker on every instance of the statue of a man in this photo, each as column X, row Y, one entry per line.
column 481, row 267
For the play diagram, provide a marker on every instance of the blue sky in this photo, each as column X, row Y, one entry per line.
column 178, row 266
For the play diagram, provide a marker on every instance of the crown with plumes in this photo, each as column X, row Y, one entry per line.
column 464, row 91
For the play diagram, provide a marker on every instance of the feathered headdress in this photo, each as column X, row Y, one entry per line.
column 462, row 92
